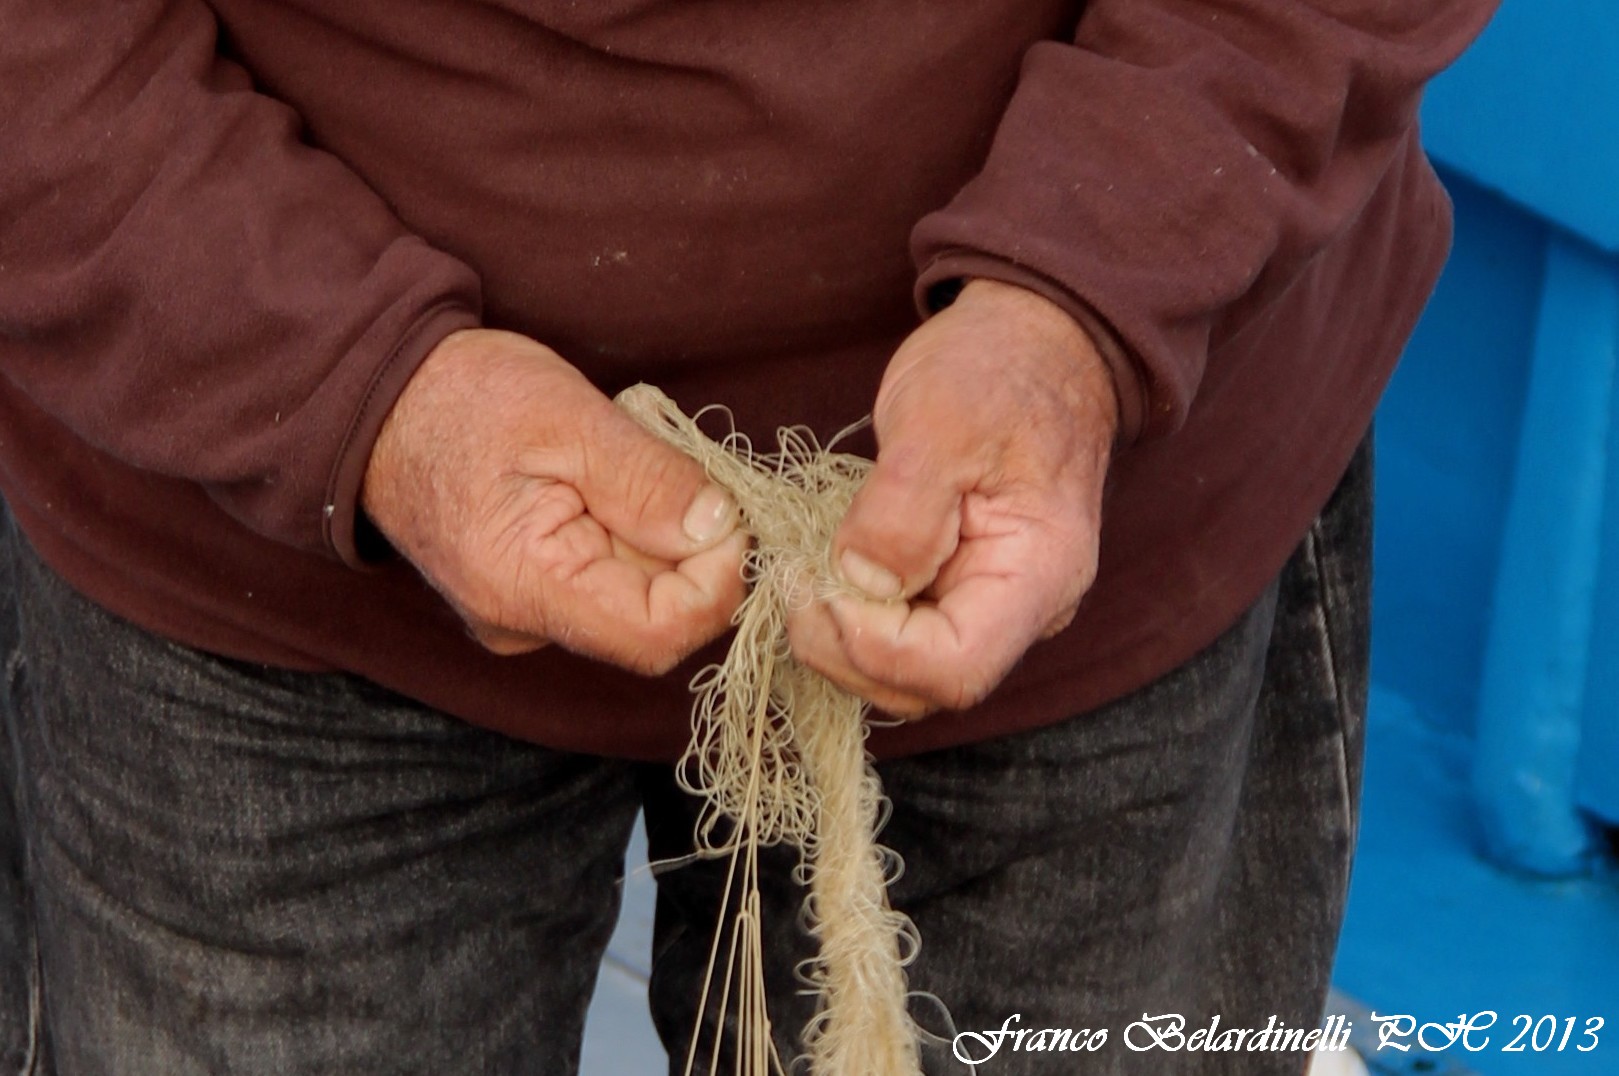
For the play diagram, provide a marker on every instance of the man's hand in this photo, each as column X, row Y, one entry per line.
column 545, row 514
column 976, row 533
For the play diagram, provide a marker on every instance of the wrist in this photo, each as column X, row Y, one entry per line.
column 390, row 488
column 1096, row 393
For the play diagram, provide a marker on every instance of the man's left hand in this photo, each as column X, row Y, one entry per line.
column 976, row 533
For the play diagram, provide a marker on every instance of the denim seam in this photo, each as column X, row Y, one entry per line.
column 1340, row 702
column 36, row 1000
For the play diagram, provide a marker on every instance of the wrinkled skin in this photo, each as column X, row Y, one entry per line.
column 976, row 534
column 544, row 514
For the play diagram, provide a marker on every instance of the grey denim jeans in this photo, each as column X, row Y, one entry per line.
column 18, row 968
column 234, row 869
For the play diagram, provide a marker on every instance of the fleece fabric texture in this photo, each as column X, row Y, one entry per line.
column 229, row 232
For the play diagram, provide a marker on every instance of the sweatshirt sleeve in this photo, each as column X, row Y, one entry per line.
column 1170, row 173
column 186, row 284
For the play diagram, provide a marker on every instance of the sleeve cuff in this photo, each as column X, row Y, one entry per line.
column 348, row 533
column 941, row 280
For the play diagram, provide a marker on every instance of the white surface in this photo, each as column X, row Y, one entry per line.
column 1337, row 1063
column 619, row 1039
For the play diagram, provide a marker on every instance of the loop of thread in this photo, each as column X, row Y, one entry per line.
column 778, row 756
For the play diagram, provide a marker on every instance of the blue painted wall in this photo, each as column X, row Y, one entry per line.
column 1447, row 442
column 1532, row 109
column 1525, row 127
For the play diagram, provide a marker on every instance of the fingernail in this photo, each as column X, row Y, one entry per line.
column 871, row 579
column 711, row 515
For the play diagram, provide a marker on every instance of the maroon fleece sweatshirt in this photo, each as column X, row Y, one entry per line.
column 229, row 232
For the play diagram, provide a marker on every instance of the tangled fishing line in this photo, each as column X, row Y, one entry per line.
column 778, row 757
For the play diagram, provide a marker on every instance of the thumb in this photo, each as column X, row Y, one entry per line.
column 651, row 495
column 902, row 526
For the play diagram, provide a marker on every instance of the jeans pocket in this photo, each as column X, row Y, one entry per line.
column 1337, row 561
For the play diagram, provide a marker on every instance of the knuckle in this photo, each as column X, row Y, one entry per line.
column 651, row 661
column 503, row 625
column 960, row 687
column 647, row 483
column 909, row 709
column 967, row 693
column 1085, row 578
column 657, row 651
column 873, row 660
column 481, row 616
column 503, row 643
column 916, row 689
column 895, row 536
column 1059, row 623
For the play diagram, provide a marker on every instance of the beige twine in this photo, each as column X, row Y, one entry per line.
column 778, row 755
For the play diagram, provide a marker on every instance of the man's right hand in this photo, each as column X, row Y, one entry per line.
column 544, row 514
